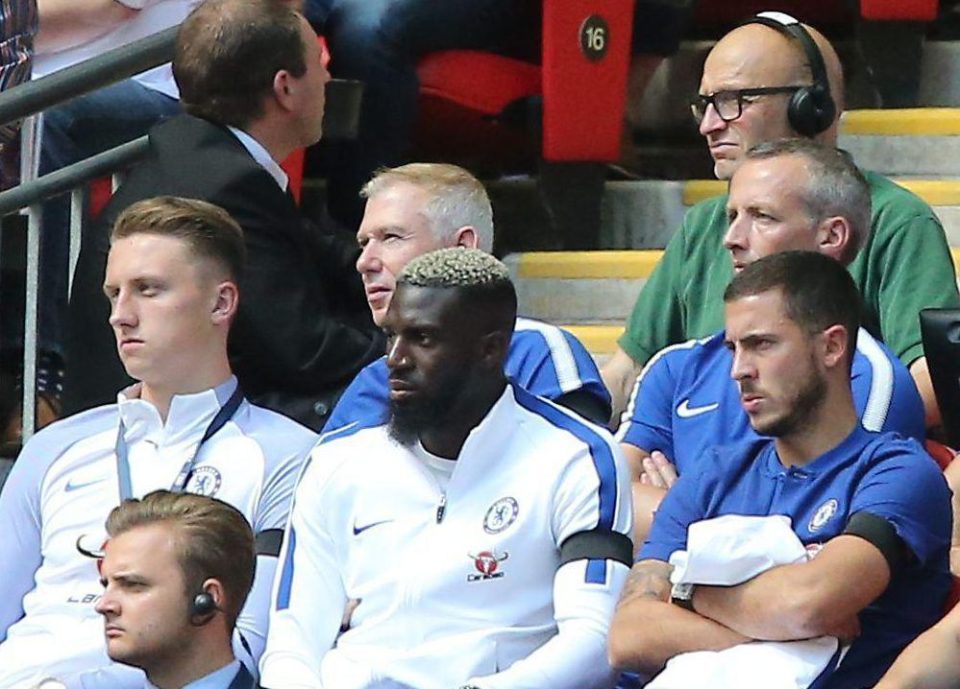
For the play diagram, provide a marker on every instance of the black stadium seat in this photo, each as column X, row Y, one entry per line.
column 941, row 345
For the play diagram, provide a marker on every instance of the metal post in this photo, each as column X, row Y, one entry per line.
column 34, row 227
column 77, row 198
column 30, row 147
column 30, row 134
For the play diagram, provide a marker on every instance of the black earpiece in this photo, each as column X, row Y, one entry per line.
column 811, row 109
column 202, row 608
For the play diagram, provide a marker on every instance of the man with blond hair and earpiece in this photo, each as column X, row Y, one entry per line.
column 176, row 571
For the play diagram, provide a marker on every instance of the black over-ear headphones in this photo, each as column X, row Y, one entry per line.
column 811, row 109
column 202, row 608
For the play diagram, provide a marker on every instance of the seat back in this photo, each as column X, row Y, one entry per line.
column 726, row 13
column 586, row 55
column 817, row 12
column 901, row 10
column 582, row 80
column 940, row 329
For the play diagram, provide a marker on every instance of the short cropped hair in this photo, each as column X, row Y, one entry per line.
column 483, row 281
column 835, row 187
column 208, row 229
column 228, row 53
column 817, row 291
column 213, row 541
column 457, row 198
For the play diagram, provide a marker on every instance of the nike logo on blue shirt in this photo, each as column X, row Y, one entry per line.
column 685, row 411
column 357, row 530
column 72, row 486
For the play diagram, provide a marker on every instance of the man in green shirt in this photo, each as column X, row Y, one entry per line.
column 748, row 95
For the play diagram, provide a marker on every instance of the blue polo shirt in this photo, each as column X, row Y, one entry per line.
column 685, row 401
column 882, row 474
column 542, row 359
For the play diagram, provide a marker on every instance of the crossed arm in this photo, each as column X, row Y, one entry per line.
column 648, row 630
column 651, row 476
column 815, row 598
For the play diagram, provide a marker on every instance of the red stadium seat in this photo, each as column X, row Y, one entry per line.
column 499, row 115
column 901, row 10
column 467, row 97
column 817, row 12
column 726, row 13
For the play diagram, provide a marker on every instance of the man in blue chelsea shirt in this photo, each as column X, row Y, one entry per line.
column 787, row 194
column 874, row 505
column 421, row 207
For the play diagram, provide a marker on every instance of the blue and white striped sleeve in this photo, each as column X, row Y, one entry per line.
column 593, row 494
column 365, row 401
column 884, row 392
column 550, row 362
column 647, row 422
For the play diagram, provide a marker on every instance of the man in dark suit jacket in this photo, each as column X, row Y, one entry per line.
column 251, row 79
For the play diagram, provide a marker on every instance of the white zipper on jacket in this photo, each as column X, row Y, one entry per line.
column 442, row 507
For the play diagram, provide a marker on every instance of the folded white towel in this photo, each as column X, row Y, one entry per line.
column 757, row 665
column 731, row 549
column 726, row 551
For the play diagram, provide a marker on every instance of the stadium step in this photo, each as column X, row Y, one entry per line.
column 943, row 195
column 644, row 215
column 915, row 142
column 589, row 293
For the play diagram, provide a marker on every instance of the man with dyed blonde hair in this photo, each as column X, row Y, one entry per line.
column 171, row 282
column 511, row 515
column 421, row 207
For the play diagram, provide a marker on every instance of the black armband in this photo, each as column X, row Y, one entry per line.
column 881, row 533
column 587, row 405
column 597, row 544
column 268, row 542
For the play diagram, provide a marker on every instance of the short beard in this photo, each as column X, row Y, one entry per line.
column 806, row 402
column 410, row 420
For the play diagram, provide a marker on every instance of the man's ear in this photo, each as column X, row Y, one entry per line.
column 466, row 237
column 214, row 587
column 284, row 89
column 493, row 349
column 834, row 237
column 836, row 345
column 227, row 301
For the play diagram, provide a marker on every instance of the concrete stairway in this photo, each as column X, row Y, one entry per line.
column 592, row 293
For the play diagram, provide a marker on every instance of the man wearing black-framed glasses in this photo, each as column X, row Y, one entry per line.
column 729, row 104
column 768, row 79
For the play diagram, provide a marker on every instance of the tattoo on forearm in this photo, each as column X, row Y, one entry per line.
column 647, row 579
